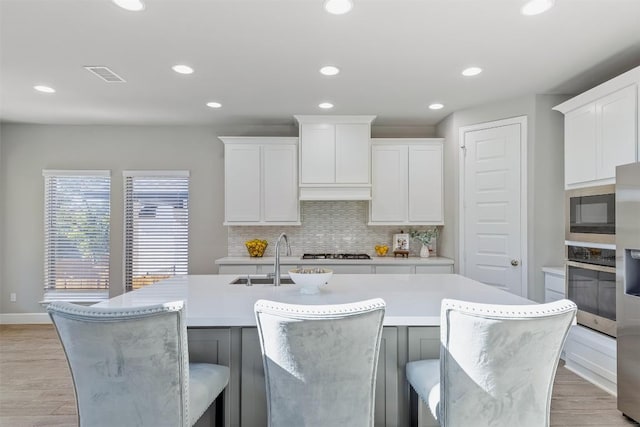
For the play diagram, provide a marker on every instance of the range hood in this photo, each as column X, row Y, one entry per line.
column 335, row 192
column 335, row 157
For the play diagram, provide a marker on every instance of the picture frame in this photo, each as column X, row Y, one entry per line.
column 401, row 242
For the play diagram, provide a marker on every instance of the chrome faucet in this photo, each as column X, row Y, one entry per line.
column 276, row 264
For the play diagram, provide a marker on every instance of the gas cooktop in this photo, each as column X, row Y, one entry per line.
column 336, row 256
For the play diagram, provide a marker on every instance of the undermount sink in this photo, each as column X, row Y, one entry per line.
column 260, row 279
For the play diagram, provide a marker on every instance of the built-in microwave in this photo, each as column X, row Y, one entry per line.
column 591, row 214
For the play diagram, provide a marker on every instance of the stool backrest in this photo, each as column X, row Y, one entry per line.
column 498, row 362
column 320, row 362
column 129, row 365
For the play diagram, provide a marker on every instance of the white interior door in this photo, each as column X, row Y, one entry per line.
column 492, row 222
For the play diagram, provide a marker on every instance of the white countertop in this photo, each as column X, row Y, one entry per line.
column 412, row 299
column 558, row 271
column 375, row 260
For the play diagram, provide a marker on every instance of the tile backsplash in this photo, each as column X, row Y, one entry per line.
column 327, row 227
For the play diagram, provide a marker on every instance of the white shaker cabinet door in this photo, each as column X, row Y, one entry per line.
column 389, row 183
column 242, row 183
column 317, row 154
column 617, row 131
column 280, row 183
column 352, row 153
column 426, row 184
column 580, row 145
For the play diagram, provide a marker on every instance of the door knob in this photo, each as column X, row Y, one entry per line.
column 515, row 262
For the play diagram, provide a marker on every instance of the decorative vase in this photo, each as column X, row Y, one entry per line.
column 424, row 251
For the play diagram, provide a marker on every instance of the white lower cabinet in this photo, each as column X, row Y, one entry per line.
column 350, row 269
column 407, row 181
column 395, row 269
column 238, row 269
column 253, row 268
column 445, row 266
column 261, row 181
column 554, row 286
column 434, row 269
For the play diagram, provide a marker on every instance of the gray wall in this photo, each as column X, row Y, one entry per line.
column 2, row 181
column 27, row 149
column 545, row 179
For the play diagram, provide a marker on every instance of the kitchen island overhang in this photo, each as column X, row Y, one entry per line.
column 412, row 300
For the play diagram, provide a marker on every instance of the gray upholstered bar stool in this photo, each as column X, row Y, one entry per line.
column 130, row 366
column 320, row 362
column 497, row 364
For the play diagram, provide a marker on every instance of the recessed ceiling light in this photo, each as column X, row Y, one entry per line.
column 325, row 105
column 536, row 7
column 44, row 89
column 132, row 5
column 338, row 7
column 214, row 104
column 436, row 106
column 182, row 69
column 329, row 70
column 471, row 71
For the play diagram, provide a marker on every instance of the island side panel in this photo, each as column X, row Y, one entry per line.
column 386, row 398
column 253, row 393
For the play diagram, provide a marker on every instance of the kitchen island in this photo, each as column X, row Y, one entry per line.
column 222, row 328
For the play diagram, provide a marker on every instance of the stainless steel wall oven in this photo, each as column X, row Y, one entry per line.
column 591, row 284
column 591, row 214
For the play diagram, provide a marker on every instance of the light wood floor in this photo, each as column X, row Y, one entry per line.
column 36, row 387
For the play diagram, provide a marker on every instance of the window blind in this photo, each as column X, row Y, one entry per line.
column 76, row 234
column 156, row 226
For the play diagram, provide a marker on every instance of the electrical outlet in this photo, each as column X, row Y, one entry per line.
column 12, row 297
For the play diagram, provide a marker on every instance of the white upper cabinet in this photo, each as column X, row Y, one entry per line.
column 618, row 120
column 317, row 154
column 580, row 145
column 334, row 157
column 261, row 181
column 353, row 143
column 601, row 131
column 389, row 202
column 407, row 181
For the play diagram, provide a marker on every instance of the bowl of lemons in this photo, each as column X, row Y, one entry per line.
column 256, row 247
column 381, row 250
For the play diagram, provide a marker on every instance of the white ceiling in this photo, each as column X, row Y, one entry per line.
column 260, row 58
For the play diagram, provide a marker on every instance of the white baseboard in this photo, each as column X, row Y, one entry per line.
column 24, row 319
column 592, row 356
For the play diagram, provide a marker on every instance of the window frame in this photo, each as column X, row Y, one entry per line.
column 78, row 295
column 159, row 174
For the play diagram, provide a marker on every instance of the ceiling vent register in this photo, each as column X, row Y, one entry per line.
column 105, row 74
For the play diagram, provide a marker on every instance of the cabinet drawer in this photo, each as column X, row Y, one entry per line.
column 554, row 283
column 351, row 269
column 550, row 296
column 434, row 269
column 268, row 268
column 237, row 269
column 394, row 269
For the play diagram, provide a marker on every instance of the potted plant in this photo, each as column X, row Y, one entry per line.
column 424, row 237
